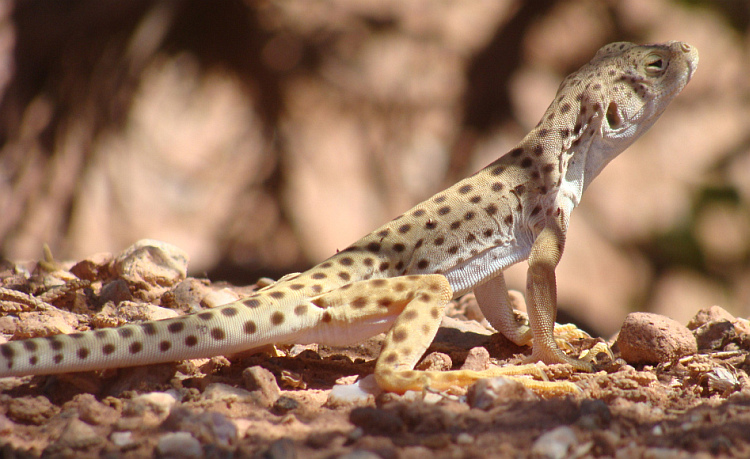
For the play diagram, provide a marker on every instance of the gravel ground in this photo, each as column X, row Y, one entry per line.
column 670, row 390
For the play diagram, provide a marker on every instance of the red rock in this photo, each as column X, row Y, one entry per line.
column 653, row 339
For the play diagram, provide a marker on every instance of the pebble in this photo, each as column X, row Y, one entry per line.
column 159, row 402
column 377, row 422
column 478, row 359
column 435, row 361
column 151, row 263
column 94, row 412
column 31, row 410
column 284, row 404
column 178, row 445
column 122, row 439
column 189, row 294
column 78, row 435
column 488, row 393
column 361, row 392
column 647, row 338
column 225, row 392
column 707, row 315
column 219, row 297
column 555, row 444
column 115, row 291
column 262, row 383
column 45, row 323
column 210, row 427
column 94, row 267
column 282, row 448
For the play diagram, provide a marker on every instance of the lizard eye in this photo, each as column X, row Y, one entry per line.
column 655, row 64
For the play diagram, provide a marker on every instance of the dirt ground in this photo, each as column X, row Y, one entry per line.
column 278, row 403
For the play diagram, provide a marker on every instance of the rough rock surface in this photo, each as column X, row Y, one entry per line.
column 653, row 339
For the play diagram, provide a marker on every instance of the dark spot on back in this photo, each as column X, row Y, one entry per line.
column 359, row 302
column 191, row 341
column 125, row 332
column 253, row 302
column 277, row 318
column 149, row 328
column 55, row 343
column 205, row 315
column 346, row 261
column 7, row 351
column 217, row 334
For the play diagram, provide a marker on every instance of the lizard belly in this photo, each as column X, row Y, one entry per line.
column 474, row 271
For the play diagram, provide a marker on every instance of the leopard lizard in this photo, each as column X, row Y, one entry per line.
column 399, row 278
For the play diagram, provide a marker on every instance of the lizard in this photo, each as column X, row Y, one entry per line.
column 399, row 278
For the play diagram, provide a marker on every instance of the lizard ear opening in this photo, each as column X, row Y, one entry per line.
column 613, row 116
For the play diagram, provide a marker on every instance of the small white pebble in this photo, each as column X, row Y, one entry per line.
column 464, row 439
column 555, row 444
column 160, row 402
column 219, row 391
column 121, row 439
column 179, row 444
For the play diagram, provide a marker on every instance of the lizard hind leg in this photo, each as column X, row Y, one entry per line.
column 412, row 333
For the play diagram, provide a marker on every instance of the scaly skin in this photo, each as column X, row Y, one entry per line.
column 399, row 277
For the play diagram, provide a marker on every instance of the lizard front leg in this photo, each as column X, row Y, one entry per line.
column 497, row 307
column 541, row 293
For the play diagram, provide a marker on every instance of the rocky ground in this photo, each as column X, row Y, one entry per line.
column 670, row 390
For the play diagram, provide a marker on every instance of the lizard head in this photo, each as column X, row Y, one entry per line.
column 616, row 98
column 640, row 82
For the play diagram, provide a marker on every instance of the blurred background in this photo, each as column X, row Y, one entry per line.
column 261, row 136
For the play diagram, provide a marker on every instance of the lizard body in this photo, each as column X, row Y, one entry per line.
column 398, row 278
